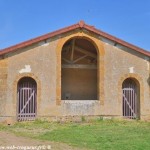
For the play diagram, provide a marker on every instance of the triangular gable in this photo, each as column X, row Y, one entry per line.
column 80, row 25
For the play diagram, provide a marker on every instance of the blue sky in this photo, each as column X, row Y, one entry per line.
column 21, row 20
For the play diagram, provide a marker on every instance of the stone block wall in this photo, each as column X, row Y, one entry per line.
column 42, row 62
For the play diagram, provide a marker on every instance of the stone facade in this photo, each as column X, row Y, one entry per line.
column 42, row 62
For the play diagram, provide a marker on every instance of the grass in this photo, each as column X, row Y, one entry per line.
column 96, row 135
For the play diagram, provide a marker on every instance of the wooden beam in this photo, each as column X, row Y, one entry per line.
column 66, row 60
column 85, row 52
column 79, row 58
column 79, row 66
column 72, row 49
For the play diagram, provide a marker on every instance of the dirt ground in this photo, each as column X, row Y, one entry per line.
column 22, row 143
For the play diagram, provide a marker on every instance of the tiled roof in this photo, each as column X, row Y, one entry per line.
column 80, row 25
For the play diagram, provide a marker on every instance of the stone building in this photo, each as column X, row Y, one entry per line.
column 72, row 72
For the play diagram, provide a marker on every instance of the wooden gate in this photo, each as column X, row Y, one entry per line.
column 130, row 101
column 27, row 90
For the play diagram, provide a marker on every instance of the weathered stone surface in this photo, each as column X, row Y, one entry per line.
column 44, row 65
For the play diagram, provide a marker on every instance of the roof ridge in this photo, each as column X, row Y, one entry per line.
column 117, row 40
column 81, row 24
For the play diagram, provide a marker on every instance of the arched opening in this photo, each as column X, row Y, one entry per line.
column 131, row 98
column 79, row 70
column 27, row 99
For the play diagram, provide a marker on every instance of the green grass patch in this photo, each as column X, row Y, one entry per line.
column 97, row 135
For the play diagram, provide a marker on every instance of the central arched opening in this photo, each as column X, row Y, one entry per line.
column 79, row 70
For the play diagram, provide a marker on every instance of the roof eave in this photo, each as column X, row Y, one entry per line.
column 37, row 39
column 117, row 40
column 80, row 25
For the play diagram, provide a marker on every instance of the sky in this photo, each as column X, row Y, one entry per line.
column 21, row 20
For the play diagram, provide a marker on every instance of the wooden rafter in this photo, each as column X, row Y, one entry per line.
column 82, row 51
column 79, row 66
column 85, row 52
column 66, row 60
column 79, row 58
column 72, row 49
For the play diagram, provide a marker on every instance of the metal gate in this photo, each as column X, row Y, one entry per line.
column 27, row 90
column 130, row 99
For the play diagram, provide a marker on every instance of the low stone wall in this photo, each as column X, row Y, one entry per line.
column 79, row 107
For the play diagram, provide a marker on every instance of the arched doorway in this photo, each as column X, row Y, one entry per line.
column 27, row 99
column 79, row 70
column 131, row 98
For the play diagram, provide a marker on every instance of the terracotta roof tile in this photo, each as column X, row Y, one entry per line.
column 81, row 25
